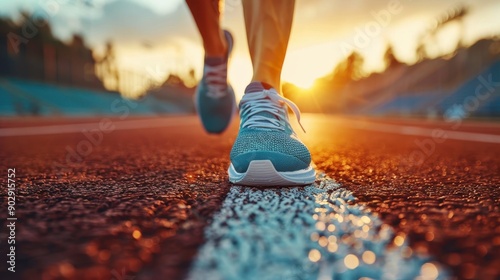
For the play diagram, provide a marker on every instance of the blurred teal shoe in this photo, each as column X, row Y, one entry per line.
column 267, row 151
column 214, row 97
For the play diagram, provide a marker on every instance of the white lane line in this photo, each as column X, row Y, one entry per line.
column 420, row 131
column 316, row 232
column 78, row 127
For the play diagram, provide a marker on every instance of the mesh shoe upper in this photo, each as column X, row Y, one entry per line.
column 214, row 97
column 265, row 133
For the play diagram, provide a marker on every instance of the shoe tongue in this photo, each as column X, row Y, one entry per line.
column 257, row 87
column 254, row 87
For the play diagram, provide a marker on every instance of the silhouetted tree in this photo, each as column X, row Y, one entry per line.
column 108, row 68
column 455, row 15
column 390, row 59
column 29, row 50
column 350, row 69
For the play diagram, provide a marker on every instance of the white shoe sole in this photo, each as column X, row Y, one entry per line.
column 263, row 173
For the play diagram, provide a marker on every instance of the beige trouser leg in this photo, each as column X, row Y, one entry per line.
column 268, row 25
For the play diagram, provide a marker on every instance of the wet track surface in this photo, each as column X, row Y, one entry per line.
column 136, row 205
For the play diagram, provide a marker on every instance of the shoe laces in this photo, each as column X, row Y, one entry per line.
column 216, row 79
column 253, row 104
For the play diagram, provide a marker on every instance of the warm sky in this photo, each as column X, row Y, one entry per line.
column 155, row 37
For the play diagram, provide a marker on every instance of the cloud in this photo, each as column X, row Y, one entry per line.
column 161, row 6
column 127, row 22
column 165, row 21
column 121, row 21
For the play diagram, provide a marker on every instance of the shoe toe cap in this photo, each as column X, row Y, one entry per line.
column 281, row 162
column 286, row 152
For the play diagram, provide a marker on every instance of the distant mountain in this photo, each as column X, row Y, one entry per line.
column 424, row 84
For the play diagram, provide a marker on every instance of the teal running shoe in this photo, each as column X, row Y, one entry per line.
column 214, row 97
column 267, row 151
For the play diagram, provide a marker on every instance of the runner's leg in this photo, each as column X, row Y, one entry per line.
column 206, row 14
column 268, row 25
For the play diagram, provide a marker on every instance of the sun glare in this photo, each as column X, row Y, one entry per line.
column 304, row 81
column 303, row 66
column 240, row 74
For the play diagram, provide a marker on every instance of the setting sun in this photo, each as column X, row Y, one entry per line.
column 303, row 66
column 304, row 81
